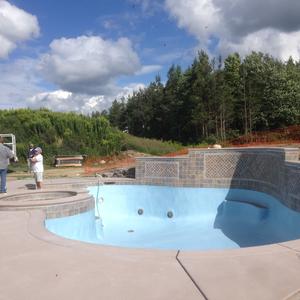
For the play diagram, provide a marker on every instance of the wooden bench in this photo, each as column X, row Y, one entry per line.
column 69, row 161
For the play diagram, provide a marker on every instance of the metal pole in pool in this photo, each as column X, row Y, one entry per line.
column 100, row 181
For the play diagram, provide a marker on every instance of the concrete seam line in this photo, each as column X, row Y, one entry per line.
column 293, row 296
column 287, row 247
column 190, row 276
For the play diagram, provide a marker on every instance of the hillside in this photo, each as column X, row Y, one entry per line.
column 106, row 147
column 283, row 136
column 60, row 133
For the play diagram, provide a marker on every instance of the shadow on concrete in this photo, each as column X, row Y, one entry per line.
column 30, row 186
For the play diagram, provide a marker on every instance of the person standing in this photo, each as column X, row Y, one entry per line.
column 30, row 155
column 5, row 155
column 37, row 167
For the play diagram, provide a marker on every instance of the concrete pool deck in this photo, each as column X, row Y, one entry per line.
column 36, row 264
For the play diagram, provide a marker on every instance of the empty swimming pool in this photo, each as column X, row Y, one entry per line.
column 143, row 216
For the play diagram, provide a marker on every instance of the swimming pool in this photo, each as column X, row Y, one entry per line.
column 143, row 216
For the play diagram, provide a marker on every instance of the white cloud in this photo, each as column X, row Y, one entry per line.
column 127, row 91
column 83, row 70
column 88, row 64
column 19, row 80
column 110, row 24
column 65, row 101
column 200, row 17
column 60, row 100
column 270, row 26
column 148, row 69
column 21, row 86
column 279, row 44
column 16, row 26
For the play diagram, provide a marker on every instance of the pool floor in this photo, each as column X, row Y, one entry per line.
column 180, row 218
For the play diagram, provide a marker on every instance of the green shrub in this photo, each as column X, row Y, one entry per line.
column 150, row 146
column 60, row 133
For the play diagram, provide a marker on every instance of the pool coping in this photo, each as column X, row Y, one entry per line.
column 46, row 265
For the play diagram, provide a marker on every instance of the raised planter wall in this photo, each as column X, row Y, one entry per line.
column 275, row 171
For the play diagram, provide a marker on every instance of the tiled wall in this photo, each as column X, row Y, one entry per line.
column 275, row 171
column 69, row 209
column 82, row 204
column 292, row 185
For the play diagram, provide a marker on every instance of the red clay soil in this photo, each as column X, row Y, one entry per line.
column 183, row 151
column 289, row 136
column 283, row 137
column 269, row 144
column 125, row 160
column 100, row 164
column 124, row 163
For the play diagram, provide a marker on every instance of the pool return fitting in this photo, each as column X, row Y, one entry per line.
column 170, row 214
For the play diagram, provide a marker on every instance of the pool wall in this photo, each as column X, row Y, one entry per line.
column 55, row 204
column 275, row 171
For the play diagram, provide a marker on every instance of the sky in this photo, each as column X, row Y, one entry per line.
column 79, row 56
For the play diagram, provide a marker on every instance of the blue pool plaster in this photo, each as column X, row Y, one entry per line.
column 199, row 218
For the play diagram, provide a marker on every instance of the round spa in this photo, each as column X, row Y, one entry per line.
column 160, row 217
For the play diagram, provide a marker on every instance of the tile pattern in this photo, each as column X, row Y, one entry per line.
column 69, row 209
column 274, row 171
column 58, row 210
column 161, row 169
column 263, row 167
column 292, row 191
column 293, row 181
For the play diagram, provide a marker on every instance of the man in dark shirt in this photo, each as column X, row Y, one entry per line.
column 30, row 155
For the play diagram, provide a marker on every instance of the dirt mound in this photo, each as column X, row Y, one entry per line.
column 100, row 164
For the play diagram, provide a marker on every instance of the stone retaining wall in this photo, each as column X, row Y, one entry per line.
column 275, row 171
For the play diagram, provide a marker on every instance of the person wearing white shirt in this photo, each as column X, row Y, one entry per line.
column 37, row 167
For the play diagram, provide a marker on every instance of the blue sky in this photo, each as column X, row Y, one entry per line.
column 81, row 55
column 152, row 30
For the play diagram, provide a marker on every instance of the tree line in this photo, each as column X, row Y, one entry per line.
column 214, row 100
column 60, row 133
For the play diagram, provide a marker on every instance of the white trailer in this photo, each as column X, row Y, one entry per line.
column 10, row 141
